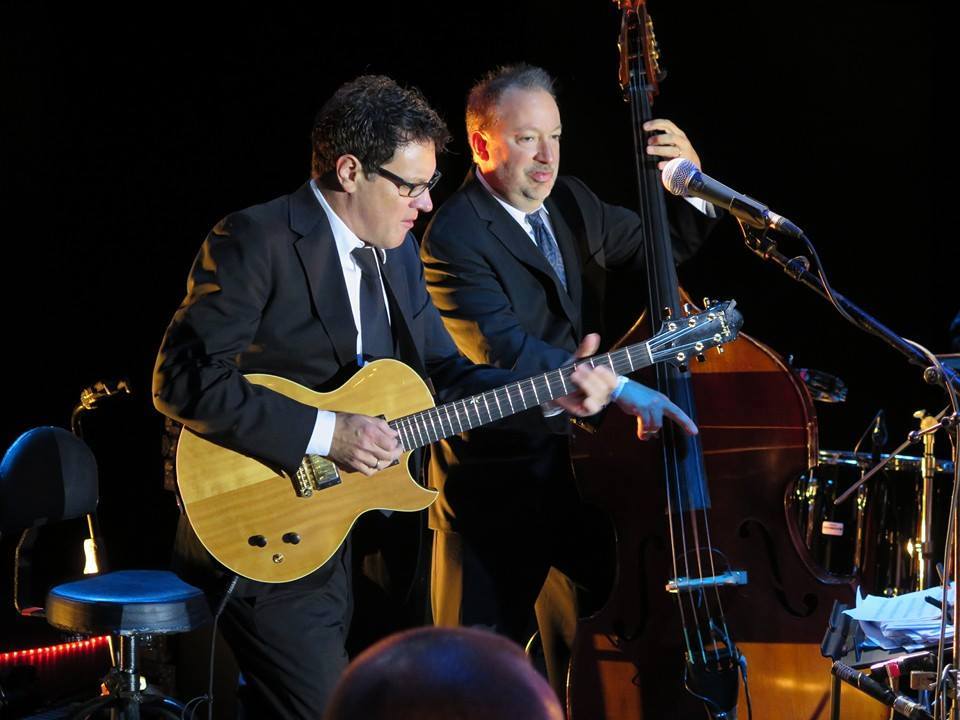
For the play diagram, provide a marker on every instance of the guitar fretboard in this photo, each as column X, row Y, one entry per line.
column 439, row 422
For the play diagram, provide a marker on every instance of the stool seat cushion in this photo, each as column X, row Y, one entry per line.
column 128, row 602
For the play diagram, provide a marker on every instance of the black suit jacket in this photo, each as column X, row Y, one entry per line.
column 266, row 294
column 504, row 306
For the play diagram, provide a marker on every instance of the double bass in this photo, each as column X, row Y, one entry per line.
column 718, row 586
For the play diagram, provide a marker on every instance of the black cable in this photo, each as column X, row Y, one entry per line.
column 197, row 701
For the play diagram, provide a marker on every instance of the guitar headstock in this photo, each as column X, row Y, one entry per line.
column 691, row 336
column 639, row 52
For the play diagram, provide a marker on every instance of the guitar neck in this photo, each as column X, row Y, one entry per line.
column 439, row 422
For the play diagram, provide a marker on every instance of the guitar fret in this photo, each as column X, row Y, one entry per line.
column 421, row 431
column 436, row 434
column 534, row 386
column 456, row 414
column 497, row 399
column 476, row 409
column 435, row 414
column 509, row 399
column 489, row 416
column 401, row 432
column 549, row 379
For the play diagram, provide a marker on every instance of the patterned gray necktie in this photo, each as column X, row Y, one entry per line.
column 548, row 246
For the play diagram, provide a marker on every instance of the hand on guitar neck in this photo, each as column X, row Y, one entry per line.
column 595, row 384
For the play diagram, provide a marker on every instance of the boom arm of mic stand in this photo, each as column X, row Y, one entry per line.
column 759, row 243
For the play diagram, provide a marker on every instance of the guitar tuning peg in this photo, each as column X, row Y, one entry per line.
column 707, row 302
column 687, row 308
column 667, row 312
column 720, row 349
column 701, row 358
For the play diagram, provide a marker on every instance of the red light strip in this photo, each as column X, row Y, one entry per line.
column 55, row 650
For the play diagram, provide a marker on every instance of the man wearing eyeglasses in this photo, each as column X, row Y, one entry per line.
column 308, row 287
column 516, row 263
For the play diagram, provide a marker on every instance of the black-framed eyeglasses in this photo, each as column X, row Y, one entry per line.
column 407, row 188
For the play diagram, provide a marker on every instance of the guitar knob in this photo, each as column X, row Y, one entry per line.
column 291, row 538
column 257, row 540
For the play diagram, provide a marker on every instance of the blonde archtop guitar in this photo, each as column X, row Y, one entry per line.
column 271, row 527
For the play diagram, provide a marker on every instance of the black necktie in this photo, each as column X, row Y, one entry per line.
column 376, row 338
column 548, row 246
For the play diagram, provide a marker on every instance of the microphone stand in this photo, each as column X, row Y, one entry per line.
column 934, row 373
column 798, row 268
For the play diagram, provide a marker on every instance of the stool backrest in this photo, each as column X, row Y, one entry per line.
column 47, row 475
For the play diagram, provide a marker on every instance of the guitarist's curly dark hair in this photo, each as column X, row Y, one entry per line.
column 371, row 117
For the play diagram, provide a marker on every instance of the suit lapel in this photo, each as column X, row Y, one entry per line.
column 401, row 312
column 519, row 244
column 321, row 264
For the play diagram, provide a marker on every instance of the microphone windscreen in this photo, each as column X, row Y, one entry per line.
column 676, row 175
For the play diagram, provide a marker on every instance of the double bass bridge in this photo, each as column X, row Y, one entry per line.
column 687, row 585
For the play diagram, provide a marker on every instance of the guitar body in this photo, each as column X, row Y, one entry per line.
column 251, row 518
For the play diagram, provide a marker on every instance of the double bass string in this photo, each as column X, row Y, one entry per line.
column 639, row 110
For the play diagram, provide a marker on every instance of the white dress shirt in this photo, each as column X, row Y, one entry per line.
column 346, row 241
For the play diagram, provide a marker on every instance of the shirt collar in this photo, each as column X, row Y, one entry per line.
column 517, row 214
column 345, row 239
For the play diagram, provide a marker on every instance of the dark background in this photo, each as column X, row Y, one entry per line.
column 127, row 137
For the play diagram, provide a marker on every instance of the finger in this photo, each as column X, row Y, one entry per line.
column 588, row 346
column 363, row 468
column 666, row 139
column 643, row 431
column 664, row 125
column 680, row 417
column 667, row 151
column 591, row 381
column 384, row 446
column 596, row 386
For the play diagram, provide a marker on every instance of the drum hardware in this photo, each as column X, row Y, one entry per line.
column 824, row 387
column 941, row 420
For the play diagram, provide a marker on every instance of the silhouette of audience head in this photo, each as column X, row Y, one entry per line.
column 443, row 674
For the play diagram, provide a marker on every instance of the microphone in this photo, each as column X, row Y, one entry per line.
column 90, row 396
column 681, row 177
column 901, row 703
